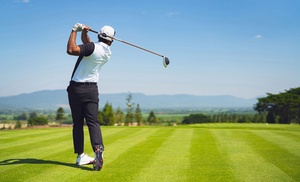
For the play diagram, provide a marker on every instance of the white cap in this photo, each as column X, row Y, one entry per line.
column 107, row 30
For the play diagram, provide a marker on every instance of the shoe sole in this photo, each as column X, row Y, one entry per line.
column 81, row 164
column 98, row 162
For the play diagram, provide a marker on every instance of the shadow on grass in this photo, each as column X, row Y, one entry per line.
column 41, row 161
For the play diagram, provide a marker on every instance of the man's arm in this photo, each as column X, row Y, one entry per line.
column 72, row 48
column 84, row 36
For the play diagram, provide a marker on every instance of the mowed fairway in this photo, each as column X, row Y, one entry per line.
column 208, row 152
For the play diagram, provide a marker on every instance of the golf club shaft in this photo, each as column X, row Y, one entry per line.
column 130, row 44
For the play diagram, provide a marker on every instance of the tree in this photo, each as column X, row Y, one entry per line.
column 138, row 115
column 60, row 115
column 243, row 119
column 100, row 118
column 285, row 105
column 259, row 118
column 22, row 116
column 18, row 125
column 108, row 115
column 119, row 116
column 152, row 118
column 270, row 117
column 196, row 118
column 38, row 120
column 33, row 115
column 35, row 119
column 130, row 108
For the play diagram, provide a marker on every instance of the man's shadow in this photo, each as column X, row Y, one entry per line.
column 40, row 161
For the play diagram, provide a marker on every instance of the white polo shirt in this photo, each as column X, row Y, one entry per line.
column 93, row 56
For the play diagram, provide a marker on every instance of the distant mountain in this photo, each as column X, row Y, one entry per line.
column 52, row 99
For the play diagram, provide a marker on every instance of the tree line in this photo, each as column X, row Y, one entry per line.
column 282, row 108
column 107, row 116
column 224, row 118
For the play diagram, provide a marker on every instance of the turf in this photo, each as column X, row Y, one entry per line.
column 207, row 152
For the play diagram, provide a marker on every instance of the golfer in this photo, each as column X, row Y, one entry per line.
column 83, row 90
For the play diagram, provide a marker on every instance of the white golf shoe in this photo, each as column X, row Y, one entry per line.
column 84, row 159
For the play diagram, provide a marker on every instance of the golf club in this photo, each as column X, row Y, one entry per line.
column 166, row 60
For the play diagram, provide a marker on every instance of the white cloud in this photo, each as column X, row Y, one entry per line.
column 21, row 1
column 258, row 36
column 171, row 14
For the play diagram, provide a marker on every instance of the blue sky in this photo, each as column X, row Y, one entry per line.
column 243, row 48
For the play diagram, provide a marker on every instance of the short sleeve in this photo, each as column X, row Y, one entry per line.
column 87, row 49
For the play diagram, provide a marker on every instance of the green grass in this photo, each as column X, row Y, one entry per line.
column 207, row 152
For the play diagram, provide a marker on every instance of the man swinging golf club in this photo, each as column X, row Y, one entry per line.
column 83, row 90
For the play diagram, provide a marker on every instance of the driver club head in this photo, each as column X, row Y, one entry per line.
column 166, row 61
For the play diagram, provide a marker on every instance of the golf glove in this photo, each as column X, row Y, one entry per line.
column 78, row 27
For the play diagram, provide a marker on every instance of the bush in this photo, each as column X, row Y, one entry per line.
column 196, row 118
column 39, row 120
column 18, row 125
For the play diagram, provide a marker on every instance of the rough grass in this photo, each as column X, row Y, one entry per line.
column 207, row 152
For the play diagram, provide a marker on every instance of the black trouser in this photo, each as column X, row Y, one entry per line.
column 83, row 100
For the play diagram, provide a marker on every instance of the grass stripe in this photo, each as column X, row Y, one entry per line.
column 117, row 144
column 123, row 142
column 210, row 152
column 29, row 136
column 56, row 159
column 110, row 134
column 294, row 135
column 279, row 151
column 39, row 162
column 129, row 163
column 119, row 133
column 35, row 142
column 171, row 158
column 281, row 140
column 247, row 163
column 207, row 163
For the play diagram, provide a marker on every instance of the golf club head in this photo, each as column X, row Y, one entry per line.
column 166, row 61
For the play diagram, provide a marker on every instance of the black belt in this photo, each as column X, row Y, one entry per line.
column 82, row 83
